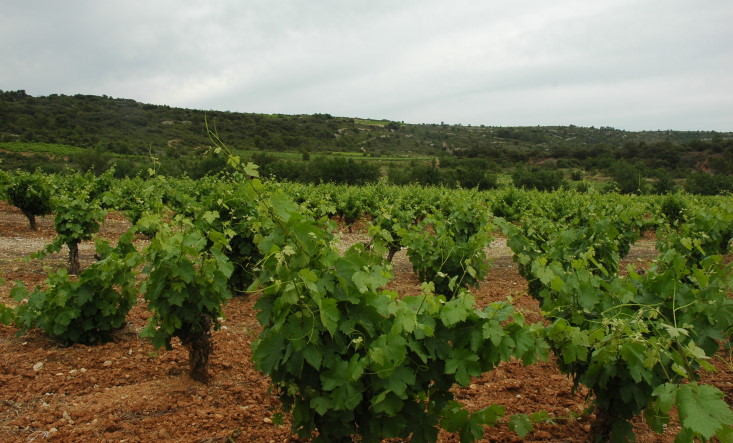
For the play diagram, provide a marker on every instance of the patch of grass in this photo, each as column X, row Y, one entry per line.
column 47, row 148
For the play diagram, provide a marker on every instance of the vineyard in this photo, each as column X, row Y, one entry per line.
column 234, row 309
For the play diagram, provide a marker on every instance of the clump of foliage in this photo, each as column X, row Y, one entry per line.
column 673, row 208
column 31, row 193
column 629, row 178
column 87, row 309
column 228, row 206
column 77, row 219
column 388, row 225
column 708, row 184
column 510, row 204
column 632, row 340
column 447, row 248
column 350, row 359
column 539, row 179
column 186, row 287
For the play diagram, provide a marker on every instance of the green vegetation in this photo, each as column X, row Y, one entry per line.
column 47, row 148
column 31, row 193
column 186, row 288
column 84, row 310
column 349, row 357
column 92, row 133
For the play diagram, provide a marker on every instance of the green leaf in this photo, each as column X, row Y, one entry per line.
column 521, row 424
column 702, row 409
column 634, row 355
column 400, row 379
column 267, row 353
column 493, row 331
column 321, row 404
column 251, row 170
column 665, row 395
column 464, row 364
column 387, row 403
column 210, row 216
column 6, row 315
column 453, row 312
column 329, row 313
column 387, row 352
column 312, row 356
column 348, row 396
column 454, row 417
column 725, row 434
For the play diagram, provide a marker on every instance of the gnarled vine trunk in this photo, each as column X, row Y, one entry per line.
column 74, row 265
column 199, row 346
column 31, row 219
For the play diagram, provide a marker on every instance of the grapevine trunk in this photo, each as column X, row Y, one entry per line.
column 198, row 343
column 74, row 265
column 31, row 220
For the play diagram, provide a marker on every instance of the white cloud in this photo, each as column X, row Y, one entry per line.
column 633, row 64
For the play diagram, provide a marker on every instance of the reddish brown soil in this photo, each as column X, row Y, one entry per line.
column 126, row 391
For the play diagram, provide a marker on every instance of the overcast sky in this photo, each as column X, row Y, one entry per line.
column 629, row 64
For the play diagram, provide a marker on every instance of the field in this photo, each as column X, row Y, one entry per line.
column 126, row 391
column 46, row 148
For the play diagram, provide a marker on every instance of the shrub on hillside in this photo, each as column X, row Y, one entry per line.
column 540, row 179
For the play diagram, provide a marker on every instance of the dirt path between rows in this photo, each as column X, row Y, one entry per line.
column 126, row 391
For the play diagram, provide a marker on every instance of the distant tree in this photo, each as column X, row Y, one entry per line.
column 629, row 179
column 663, row 183
column 425, row 175
column 708, row 184
column 476, row 178
column 535, row 178
column 285, row 170
column 96, row 160
column 342, row 170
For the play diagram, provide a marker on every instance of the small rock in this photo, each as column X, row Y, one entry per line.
column 267, row 420
column 73, row 372
column 53, row 431
column 83, row 369
column 164, row 434
column 38, row 366
column 586, row 428
column 107, row 363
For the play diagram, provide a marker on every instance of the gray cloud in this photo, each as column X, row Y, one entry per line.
column 631, row 64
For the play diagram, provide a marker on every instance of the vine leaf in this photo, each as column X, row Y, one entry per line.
column 329, row 314
column 702, row 409
column 521, row 424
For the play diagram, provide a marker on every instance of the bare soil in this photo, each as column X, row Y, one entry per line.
column 126, row 391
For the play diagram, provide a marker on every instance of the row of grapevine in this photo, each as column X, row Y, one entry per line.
column 348, row 357
column 632, row 340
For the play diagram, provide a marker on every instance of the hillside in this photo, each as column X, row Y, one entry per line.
column 133, row 132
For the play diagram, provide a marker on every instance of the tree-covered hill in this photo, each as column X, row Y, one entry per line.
column 128, row 131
